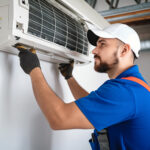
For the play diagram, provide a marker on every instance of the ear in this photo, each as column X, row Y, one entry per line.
column 125, row 50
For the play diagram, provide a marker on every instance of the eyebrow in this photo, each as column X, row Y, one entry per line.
column 101, row 40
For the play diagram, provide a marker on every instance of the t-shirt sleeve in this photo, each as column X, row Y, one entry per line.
column 111, row 104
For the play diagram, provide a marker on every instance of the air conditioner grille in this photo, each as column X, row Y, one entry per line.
column 51, row 24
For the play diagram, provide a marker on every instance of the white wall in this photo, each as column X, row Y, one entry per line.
column 144, row 64
column 22, row 124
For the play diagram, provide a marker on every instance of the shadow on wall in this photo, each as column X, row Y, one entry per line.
column 56, row 85
column 144, row 64
column 6, row 78
column 41, row 134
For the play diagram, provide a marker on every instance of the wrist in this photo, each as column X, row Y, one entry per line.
column 69, row 79
column 34, row 71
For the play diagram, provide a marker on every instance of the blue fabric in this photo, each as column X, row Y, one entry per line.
column 123, row 107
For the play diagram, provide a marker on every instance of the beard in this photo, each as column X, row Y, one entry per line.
column 104, row 67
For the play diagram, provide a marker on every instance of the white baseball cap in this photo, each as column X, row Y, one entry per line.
column 120, row 31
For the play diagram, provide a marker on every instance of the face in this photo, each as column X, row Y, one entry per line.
column 106, row 54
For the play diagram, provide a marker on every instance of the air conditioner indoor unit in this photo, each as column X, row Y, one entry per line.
column 55, row 28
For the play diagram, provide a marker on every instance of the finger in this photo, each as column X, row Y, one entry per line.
column 62, row 68
column 19, row 47
column 32, row 51
column 21, row 53
column 71, row 61
column 62, row 65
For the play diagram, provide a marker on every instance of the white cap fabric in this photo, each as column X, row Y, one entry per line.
column 120, row 31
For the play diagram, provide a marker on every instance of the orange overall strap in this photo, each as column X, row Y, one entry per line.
column 138, row 81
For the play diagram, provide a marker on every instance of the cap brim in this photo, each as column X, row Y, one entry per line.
column 94, row 36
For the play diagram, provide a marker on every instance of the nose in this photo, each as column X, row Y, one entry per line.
column 94, row 51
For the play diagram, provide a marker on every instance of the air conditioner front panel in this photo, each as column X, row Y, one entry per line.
column 51, row 24
column 45, row 26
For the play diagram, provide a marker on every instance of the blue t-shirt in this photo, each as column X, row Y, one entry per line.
column 123, row 107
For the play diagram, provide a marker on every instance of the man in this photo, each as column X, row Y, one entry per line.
column 120, row 105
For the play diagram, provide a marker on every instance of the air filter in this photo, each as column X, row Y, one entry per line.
column 51, row 24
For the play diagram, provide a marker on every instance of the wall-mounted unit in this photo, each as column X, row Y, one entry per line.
column 56, row 29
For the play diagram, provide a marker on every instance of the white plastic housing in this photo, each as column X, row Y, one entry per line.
column 14, row 16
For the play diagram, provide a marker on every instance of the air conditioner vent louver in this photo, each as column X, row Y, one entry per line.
column 51, row 24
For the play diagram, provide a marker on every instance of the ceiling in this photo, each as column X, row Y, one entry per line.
column 137, row 16
column 142, row 28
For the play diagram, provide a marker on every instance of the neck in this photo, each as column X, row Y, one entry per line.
column 113, row 73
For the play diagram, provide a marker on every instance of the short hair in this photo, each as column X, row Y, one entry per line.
column 134, row 56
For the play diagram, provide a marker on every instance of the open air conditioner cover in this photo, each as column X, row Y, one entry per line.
column 46, row 26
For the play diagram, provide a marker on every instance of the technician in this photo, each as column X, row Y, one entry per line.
column 121, row 104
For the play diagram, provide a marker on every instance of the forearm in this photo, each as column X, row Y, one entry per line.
column 76, row 89
column 50, row 104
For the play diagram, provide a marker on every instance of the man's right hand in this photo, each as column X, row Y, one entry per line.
column 66, row 69
column 28, row 60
